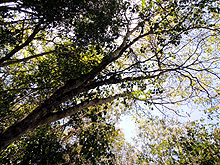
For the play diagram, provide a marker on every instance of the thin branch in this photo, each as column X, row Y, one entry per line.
column 26, row 59
column 18, row 48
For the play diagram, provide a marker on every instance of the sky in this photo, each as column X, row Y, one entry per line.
column 128, row 127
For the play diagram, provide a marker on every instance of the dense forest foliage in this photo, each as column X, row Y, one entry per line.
column 69, row 69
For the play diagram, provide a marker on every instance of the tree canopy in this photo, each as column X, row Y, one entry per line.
column 69, row 69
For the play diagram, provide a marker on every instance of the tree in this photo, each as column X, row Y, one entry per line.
column 55, row 63
column 86, row 140
column 166, row 141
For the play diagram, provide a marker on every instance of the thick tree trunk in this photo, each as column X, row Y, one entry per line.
column 15, row 131
column 42, row 116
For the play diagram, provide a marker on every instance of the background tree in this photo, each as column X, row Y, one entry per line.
column 164, row 141
column 55, row 63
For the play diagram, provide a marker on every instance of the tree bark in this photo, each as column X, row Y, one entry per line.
column 41, row 115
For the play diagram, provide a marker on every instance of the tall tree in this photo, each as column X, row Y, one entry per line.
column 60, row 57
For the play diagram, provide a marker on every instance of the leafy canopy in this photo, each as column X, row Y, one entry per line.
column 88, row 62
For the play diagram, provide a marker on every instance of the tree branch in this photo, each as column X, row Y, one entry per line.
column 37, row 118
column 17, row 48
column 75, row 83
column 52, row 117
column 25, row 59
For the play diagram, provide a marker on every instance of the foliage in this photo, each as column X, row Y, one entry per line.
column 169, row 142
column 69, row 60
column 80, row 140
column 41, row 146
